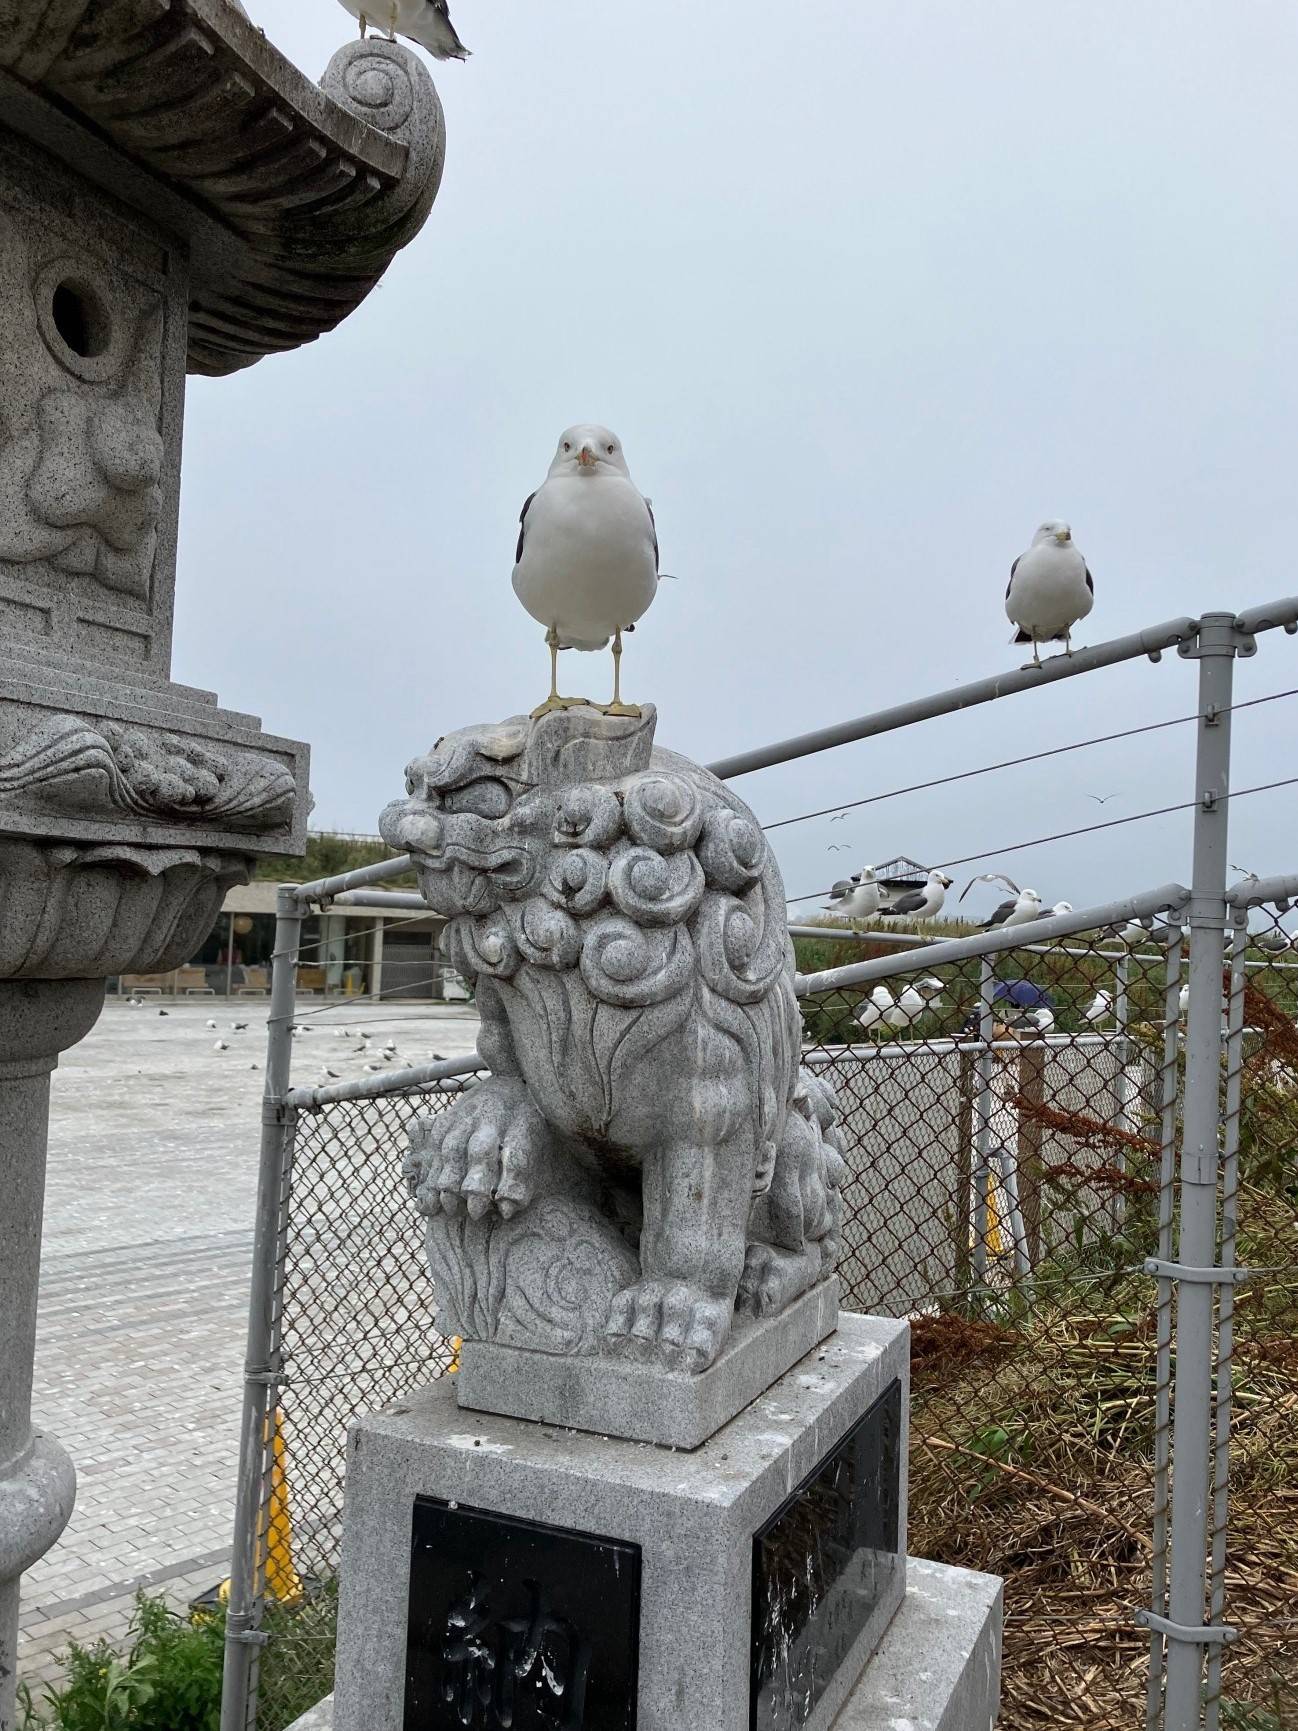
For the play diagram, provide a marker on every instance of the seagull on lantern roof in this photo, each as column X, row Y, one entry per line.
column 427, row 22
column 1050, row 590
column 587, row 559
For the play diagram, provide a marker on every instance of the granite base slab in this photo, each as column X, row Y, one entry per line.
column 693, row 1519
column 937, row 1667
column 616, row 1397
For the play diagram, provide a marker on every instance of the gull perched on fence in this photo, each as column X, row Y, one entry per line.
column 923, row 904
column 427, row 22
column 871, row 1011
column 1059, row 908
column 1050, row 590
column 913, row 1002
column 1100, row 1008
column 856, row 897
column 1019, row 910
column 587, row 559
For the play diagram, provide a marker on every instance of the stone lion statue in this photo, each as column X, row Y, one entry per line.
column 648, row 1155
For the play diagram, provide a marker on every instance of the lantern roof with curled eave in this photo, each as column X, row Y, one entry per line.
column 292, row 198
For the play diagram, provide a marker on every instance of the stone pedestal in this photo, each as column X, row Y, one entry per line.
column 38, row 1020
column 500, row 1567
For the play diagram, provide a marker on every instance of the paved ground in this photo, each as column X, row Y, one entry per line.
column 148, row 1233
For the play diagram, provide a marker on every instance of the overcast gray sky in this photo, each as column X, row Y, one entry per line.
column 868, row 289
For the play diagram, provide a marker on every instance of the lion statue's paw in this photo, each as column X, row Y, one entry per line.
column 484, row 1152
column 668, row 1322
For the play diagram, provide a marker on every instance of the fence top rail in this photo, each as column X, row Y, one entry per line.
column 1151, row 642
column 388, row 1082
column 1252, row 892
column 328, row 889
column 1169, row 897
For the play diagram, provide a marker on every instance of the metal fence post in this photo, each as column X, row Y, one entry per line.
column 982, row 1106
column 241, row 1638
column 1122, row 1022
column 1215, row 649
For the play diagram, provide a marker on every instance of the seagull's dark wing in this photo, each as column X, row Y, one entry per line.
column 653, row 527
column 1002, row 913
column 522, row 526
column 1013, row 568
column 906, row 904
column 842, row 888
column 1090, row 581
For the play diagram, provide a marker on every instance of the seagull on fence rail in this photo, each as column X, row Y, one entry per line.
column 870, row 1012
column 1059, row 908
column 914, row 1001
column 923, row 904
column 856, row 897
column 427, row 22
column 1275, row 939
column 1050, row 590
column 1100, row 1008
column 1019, row 910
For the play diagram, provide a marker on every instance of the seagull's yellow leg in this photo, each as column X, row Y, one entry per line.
column 554, row 701
column 392, row 21
column 617, row 707
column 365, row 27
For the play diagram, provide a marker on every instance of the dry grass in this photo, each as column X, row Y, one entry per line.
column 1051, row 1488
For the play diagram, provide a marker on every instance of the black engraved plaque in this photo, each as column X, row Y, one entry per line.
column 517, row 1625
column 821, row 1565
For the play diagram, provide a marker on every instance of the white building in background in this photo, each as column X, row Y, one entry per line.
column 346, row 953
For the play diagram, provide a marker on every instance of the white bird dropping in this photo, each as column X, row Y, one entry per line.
column 1050, row 590
column 586, row 566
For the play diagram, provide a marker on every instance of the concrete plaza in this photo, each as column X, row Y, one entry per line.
column 143, row 1301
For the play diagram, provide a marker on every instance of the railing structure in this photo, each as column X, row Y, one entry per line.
column 1089, row 1223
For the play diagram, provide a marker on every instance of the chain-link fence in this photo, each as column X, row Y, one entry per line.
column 1009, row 1125
column 1072, row 1164
column 1252, row 1678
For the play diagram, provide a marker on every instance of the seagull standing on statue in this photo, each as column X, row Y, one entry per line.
column 427, row 22
column 1050, row 590
column 587, row 559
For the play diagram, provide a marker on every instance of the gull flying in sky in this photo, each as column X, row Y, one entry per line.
column 1050, row 590
column 427, row 22
column 587, row 560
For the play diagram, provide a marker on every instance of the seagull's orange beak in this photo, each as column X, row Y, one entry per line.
column 586, row 457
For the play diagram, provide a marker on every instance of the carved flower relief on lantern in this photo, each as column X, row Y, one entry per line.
column 81, row 452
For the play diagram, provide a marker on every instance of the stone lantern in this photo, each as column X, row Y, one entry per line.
column 175, row 197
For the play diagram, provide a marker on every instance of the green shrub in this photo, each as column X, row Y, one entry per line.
column 169, row 1678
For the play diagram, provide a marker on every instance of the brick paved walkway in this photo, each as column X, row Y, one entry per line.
column 148, row 1235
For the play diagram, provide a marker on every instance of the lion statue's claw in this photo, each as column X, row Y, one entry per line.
column 482, row 1153
column 669, row 1322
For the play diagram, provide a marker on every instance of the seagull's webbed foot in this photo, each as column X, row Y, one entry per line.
column 554, row 701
